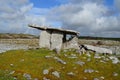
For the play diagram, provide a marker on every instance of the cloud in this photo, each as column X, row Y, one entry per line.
column 117, row 3
column 16, row 15
column 89, row 17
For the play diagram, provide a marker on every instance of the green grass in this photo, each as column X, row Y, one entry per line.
column 33, row 62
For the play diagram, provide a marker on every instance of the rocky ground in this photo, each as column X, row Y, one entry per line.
column 43, row 64
column 109, row 44
column 13, row 44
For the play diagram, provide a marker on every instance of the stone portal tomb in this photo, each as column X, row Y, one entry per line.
column 54, row 38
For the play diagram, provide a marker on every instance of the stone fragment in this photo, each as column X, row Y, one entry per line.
column 56, row 74
column 88, row 71
column 48, row 57
column 115, row 74
column 59, row 60
column 81, row 63
column 114, row 59
column 70, row 74
column 27, row 76
column 46, row 71
column 44, row 78
column 96, row 79
column 12, row 72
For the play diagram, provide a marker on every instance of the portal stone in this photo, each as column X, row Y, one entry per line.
column 72, row 44
column 44, row 41
column 56, row 40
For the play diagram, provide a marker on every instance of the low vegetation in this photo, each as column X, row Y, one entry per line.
column 17, row 36
column 99, row 38
column 41, row 63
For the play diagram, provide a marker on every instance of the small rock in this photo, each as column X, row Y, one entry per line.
column 102, row 77
column 44, row 78
column 115, row 74
column 27, row 76
column 88, row 71
column 72, row 57
column 70, row 74
column 102, row 61
column 45, row 71
column 11, row 65
column 85, row 78
column 22, row 60
column 65, row 55
column 88, row 54
column 48, row 57
column 95, row 79
column 114, row 59
column 14, row 78
column 55, row 73
column 81, row 63
column 97, row 56
column 88, row 59
column 59, row 60
column 36, row 79
column 12, row 72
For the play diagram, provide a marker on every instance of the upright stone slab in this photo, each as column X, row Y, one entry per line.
column 56, row 40
column 73, row 43
column 44, row 41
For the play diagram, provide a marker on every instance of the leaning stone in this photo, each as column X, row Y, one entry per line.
column 45, row 71
column 59, row 60
column 56, row 74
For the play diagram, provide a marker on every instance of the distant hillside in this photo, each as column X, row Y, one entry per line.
column 98, row 38
column 16, row 36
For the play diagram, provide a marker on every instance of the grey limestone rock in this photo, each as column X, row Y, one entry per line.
column 44, row 41
column 56, row 73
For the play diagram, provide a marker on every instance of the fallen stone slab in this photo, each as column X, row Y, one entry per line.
column 96, row 49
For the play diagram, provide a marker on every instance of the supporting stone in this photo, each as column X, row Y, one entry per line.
column 73, row 43
column 56, row 40
column 44, row 41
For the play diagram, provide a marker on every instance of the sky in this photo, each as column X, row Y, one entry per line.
column 99, row 18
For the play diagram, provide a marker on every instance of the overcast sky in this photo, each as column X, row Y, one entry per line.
column 89, row 17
